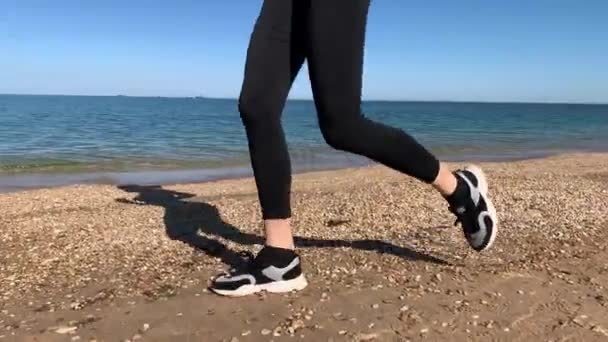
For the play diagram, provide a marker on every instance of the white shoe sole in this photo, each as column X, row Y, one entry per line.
column 295, row 284
column 483, row 188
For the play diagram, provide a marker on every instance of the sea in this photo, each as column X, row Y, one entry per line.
column 48, row 141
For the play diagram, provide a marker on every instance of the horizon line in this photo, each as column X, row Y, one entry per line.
column 311, row 99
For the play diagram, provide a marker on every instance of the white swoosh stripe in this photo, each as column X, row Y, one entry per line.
column 276, row 273
column 483, row 230
column 475, row 194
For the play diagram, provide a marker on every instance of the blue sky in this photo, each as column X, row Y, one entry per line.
column 479, row 50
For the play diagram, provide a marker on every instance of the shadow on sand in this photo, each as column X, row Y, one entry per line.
column 184, row 219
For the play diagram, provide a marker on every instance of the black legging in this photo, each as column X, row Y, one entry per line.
column 330, row 35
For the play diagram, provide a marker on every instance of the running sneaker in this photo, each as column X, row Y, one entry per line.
column 473, row 208
column 274, row 270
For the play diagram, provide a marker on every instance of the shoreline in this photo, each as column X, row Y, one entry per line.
column 17, row 182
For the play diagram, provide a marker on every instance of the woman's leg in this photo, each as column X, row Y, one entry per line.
column 274, row 57
column 337, row 34
column 335, row 54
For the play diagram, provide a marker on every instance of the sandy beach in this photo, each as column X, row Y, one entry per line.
column 383, row 260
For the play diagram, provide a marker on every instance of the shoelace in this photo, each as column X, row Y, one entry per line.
column 458, row 215
column 247, row 255
column 459, row 219
column 248, row 258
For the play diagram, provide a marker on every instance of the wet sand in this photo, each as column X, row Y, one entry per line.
column 382, row 257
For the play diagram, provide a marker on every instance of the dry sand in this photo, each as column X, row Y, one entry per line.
column 383, row 260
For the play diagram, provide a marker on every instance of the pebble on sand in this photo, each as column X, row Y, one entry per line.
column 599, row 329
column 366, row 337
column 66, row 330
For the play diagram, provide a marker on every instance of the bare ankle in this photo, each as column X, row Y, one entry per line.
column 445, row 182
column 278, row 233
